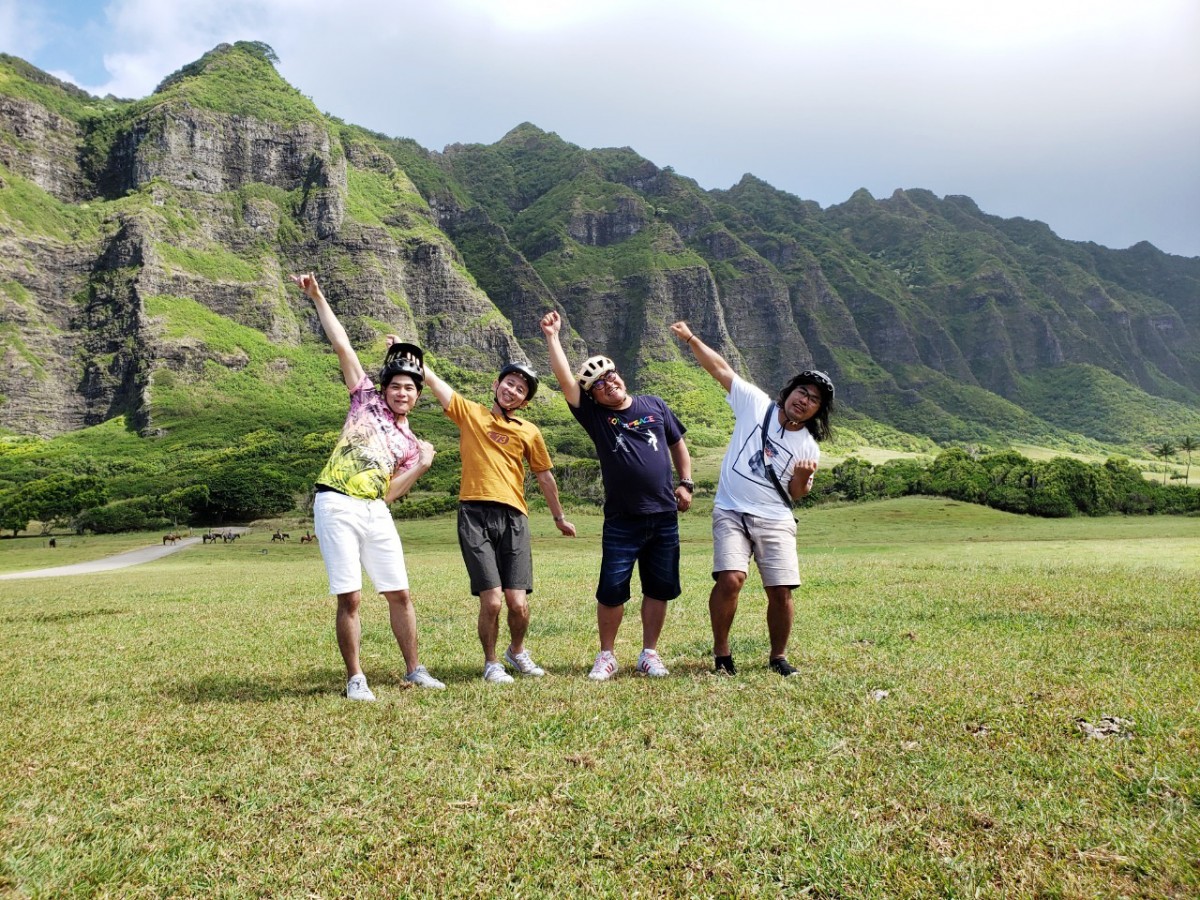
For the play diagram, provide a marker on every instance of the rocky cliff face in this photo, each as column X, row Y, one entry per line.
column 42, row 147
column 39, row 372
column 210, row 152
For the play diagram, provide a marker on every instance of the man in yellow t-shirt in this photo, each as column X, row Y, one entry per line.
column 493, row 520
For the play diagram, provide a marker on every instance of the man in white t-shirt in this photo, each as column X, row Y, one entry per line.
column 769, row 465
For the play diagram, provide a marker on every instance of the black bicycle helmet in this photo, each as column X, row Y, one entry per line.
column 810, row 376
column 530, row 376
column 403, row 359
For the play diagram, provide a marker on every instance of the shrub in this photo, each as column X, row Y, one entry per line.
column 14, row 513
column 579, row 482
column 134, row 514
column 242, row 491
column 424, row 507
column 186, row 503
column 955, row 474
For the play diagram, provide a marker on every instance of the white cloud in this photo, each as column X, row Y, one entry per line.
column 23, row 28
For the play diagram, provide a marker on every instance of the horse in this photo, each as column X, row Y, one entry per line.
column 280, row 536
column 308, row 538
column 53, row 543
column 171, row 538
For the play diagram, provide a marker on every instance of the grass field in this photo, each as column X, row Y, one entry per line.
column 175, row 729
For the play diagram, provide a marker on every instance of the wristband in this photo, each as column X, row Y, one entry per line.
column 689, row 484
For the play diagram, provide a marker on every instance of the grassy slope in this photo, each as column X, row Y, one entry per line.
column 160, row 741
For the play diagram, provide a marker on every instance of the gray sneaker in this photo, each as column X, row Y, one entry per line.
column 523, row 663
column 356, row 689
column 493, row 673
column 421, row 678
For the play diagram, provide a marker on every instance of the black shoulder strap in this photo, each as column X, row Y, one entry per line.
column 766, row 425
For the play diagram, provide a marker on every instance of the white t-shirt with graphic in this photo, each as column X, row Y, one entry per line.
column 744, row 485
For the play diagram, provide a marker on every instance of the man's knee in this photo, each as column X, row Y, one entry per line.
column 730, row 581
column 779, row 594
column 349, row 602
column 491, row 601
column 398, row 598
column 517, row 601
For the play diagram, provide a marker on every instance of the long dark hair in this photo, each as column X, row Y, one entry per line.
column 818, row 426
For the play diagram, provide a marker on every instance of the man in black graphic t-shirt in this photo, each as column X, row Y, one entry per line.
column 638, row 440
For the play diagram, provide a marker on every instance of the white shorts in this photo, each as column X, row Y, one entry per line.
column 772, row 542
column 356, row 534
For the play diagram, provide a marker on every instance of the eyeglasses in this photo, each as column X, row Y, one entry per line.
column 605, row 381
column 810, row 397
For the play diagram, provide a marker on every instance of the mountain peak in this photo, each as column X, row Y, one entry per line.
column 219, row 57
column 240, row 79
column 529, row 135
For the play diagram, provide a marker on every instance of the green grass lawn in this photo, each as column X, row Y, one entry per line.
column 176, row 729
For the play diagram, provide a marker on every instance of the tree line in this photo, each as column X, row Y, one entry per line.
column 1008, row 481
column 259, row 477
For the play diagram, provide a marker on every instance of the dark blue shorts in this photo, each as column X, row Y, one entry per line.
column 650, row 541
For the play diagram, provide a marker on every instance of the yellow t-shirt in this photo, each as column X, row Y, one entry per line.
column 494, row 451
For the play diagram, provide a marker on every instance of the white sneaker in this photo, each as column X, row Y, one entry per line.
column 650, row 664
column 356, row 689
column 421, row 678
column 493, row 673
column 523, row 663
column 605, row 666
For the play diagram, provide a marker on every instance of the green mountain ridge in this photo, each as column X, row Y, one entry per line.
column 146, row 245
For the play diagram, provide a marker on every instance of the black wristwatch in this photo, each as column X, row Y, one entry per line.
column 689, row 484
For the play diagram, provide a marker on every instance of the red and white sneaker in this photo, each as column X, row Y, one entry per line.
column 605, row 666
column 650, row 664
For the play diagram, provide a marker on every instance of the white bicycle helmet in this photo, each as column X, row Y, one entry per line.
column 593, row 370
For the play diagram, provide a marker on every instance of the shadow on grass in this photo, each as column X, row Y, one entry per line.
column 330, row 682
column 245, row 689
column 74, row 615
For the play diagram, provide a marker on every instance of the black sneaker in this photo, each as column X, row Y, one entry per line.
column 783, row 667
column 724, row 666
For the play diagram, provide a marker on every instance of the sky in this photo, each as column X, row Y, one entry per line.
column 1083, row 114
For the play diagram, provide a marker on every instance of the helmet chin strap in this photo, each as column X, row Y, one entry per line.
column 788, row 420
column 503, row 411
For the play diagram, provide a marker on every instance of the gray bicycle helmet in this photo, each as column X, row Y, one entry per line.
column 593, row 370
column 530, row 376
column 403, row 359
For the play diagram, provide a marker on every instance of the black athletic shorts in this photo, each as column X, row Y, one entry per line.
column 494, row 539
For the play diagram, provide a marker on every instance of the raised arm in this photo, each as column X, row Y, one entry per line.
column 549, row 489
column 352, row 370
column 551, row 324
column 440, row 389
column 712, row 362
column 683, row 468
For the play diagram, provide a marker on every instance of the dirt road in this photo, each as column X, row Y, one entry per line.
column 117, row 561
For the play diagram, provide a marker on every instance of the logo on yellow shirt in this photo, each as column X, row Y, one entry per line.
column 498, row 438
